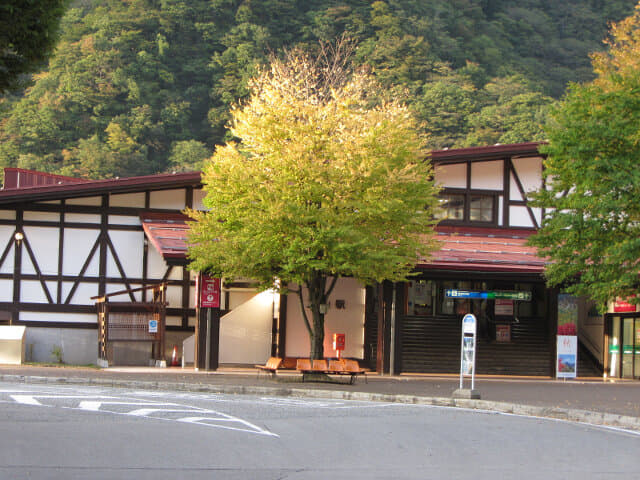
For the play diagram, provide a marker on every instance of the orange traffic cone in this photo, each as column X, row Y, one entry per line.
column 174, row 357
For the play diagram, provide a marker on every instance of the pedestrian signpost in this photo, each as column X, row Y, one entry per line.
column 468, row 357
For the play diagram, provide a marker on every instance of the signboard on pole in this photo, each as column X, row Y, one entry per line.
column 567, row 365
column 210, row 292
column 468, row 348
column 468, row 357
column 469, row 324
column 567, row 339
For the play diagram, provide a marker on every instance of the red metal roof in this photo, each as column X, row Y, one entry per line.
column 167, row 232
column 22, row 178
column 478, row 249
column 469, row 249
column 85, row 188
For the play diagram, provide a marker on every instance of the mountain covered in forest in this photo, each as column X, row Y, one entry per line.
column 144, row 86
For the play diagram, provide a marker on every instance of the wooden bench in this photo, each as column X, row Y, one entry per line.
column 347, row 367
column 333, row 367
column 271, row 366
column 304, row 365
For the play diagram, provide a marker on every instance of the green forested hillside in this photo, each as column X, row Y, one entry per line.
column 143, row 86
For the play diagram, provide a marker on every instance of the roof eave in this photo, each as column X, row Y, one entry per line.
column 100, row 187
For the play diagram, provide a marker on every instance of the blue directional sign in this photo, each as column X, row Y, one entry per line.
column 478, row 295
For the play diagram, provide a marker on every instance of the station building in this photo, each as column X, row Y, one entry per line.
column 65, row 241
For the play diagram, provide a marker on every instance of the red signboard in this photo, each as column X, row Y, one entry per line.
column 209, row 292
column 338, row 341
column 620, row 306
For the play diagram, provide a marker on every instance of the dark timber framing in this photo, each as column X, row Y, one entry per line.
column 103, row 248
column 504, row 153
column 380, row 298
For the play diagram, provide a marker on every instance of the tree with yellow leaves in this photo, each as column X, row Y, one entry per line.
column 324, row 180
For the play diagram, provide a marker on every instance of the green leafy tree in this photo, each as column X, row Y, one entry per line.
column 128, row 81
column 169, row 71
column 591, row 232
column 322, row 184
column 188, row 155
column 28, row 35
column 511, row 111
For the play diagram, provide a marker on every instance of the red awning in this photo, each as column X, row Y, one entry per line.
column 168, row 234
column 484, row 250
column 470, row 249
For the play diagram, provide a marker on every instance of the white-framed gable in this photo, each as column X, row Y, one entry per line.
column 489, row 186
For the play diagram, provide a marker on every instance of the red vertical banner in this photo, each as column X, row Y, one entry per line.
column 209, row 292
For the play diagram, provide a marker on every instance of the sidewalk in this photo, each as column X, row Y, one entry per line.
column 591, row 400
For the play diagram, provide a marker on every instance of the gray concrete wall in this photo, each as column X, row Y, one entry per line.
column 77, row 346
column 80, row 347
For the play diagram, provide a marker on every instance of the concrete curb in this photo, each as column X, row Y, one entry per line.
column 565, row 414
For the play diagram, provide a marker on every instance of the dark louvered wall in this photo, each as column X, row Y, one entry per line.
column 432, row 345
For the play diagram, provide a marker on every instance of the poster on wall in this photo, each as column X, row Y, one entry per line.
column 567, row 339
column 503, row 333
column 504, row 307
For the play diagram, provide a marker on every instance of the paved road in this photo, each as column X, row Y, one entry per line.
column 57, row 432
column 620, row 397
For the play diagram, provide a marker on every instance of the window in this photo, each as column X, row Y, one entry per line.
column 452, row 206
column 481, row 208
column 468, row 206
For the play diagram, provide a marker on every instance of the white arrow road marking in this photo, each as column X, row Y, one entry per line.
column 100, row 403
column 95, row 406
column 145, row 412
column 32, row 399
column 26, row 400
column 228, row 418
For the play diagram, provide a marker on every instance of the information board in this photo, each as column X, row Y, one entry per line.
column 468, row 349
column 567, row 362
column 153, row 326
column 210, row 292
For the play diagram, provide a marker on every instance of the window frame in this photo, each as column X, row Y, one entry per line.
column 466, row 216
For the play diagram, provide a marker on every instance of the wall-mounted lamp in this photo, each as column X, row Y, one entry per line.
column 19, row 236
column 323, row 308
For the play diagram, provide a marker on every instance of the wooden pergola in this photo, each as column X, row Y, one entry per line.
column 132, row 321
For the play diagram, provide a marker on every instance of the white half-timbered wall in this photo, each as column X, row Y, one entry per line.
column 511, row 179
column 75, row 249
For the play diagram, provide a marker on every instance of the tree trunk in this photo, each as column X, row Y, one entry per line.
column 317, row 337
column 317, row 296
